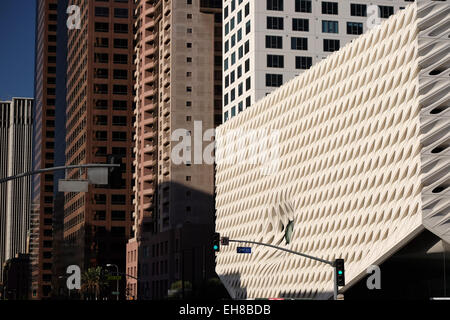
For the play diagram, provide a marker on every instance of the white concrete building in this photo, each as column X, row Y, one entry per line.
column 362, row 161
column 15, row 158
column 268, row 42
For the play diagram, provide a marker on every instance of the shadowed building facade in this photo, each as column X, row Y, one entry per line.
column 178, row 82
column 99, row 119
column 41, row 235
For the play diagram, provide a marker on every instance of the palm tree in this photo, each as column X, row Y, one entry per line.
column 93, row 283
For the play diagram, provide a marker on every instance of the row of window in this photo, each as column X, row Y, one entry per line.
column 331, row 8
column 243, row 50
column 115, row 215
column 299, row 24
column 104, row 43
column 104, row 27
column 300, row 43
column 233, row 7
column 236, row 74
column 240, row 91
column 229, row 27
column 102, row 88
column 238, row 108
column 116, row 199
column 104, row 58
column 277, row 61
column 118, row 74
column 118, row 12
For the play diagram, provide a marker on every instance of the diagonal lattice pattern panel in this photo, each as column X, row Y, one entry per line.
column 434, row 78
column 349, row 169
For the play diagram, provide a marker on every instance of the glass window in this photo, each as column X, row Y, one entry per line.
column 276, row 5
column 330, row 26
column 299, row 43
column 303, row 62
column 329, row 7
column 330, row 45
column 275, row 23
column 354, row 28
column 300, row 24
column 358, row 10
column 303, row 6
column 274, row 42
column 275, row 61
column 274, row 80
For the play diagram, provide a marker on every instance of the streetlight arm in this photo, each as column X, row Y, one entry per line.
column 79, row 166
column 286, row 250
column 130, row 276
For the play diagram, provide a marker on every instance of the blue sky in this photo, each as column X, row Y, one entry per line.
column 17, row 25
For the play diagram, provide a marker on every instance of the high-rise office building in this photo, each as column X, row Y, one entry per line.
column 178, row 93
column 60, row 251
column 41, row 236
column 99, row 122
column 268, row 42
column 16, row 125
column 358, row 169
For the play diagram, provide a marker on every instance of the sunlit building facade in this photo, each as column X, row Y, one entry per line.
column 360, row 164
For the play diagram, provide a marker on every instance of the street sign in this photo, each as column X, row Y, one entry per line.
column 73, row 185
column 116, row 293
column 114, row 277
column 244, row 250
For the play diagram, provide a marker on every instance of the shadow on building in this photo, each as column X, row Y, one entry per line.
column 95, row 247
column 420, row 270
column 234, row 286
column 16, row 277
column 173, row 244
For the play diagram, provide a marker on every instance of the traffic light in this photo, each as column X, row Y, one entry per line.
column 216, row 242
column 340, row 272
column 114, row 174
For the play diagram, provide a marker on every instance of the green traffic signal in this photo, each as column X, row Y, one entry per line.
column 216, row 242
column 340, row 272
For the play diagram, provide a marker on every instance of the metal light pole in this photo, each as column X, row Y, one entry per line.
column 117, row 279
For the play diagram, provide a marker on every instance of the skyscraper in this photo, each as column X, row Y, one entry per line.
column 269, row 42
column 60, row 251
column 178, row 95
column 15, row 158
column 41, row 237
column 99, row 122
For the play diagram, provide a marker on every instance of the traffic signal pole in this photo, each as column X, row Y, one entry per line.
column 80, row 166
column 331, row 263
column 335, row 291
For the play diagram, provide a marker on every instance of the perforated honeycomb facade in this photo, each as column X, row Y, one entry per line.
column 350, row 167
